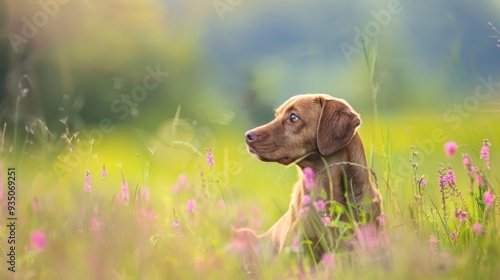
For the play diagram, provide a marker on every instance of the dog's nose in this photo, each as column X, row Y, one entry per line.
column 251, row 136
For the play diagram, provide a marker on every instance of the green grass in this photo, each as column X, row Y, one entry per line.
column 91, row 236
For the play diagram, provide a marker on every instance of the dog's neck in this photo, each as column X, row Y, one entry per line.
column 352, row 153
column 345, row 167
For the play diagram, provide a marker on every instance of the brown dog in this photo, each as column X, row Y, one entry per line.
column 319, row 132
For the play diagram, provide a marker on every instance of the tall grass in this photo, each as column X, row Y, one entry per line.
column 116, row 215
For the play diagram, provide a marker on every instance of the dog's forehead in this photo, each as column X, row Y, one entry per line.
column 298, row 102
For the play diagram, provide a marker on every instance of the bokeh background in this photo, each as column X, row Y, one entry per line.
column 419, row 73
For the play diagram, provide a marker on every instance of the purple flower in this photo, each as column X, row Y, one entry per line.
column 466, row 161
column 475, row 171
column 328, row 260
column 477, row 228
column 104, row 173
column 380, row 219
column 306, row 200
column 88, row 182
column 308, row 177
column 191, row 205
column 210, row 158
column 453, row 236
column 485, row 152
column 450, row 148
column 302, row 213
column 319, row 205
column 38, row 240
column 450, row 177
column 125, row 195
column 488, row 198
column 326, row 221
column 423, row 182
column 461, row 215
column 176, row 224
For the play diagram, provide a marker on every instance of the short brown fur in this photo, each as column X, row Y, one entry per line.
column 326, row 130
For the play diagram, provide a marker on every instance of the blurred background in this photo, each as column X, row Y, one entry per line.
column 234, row 60
column 182, row 76
column 143, row 88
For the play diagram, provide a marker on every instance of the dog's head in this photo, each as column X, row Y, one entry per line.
column 304, row 125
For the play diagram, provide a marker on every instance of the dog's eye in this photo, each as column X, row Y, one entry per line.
column 293, row 118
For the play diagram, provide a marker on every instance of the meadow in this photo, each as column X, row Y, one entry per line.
column 163, row 207
column 122, row 152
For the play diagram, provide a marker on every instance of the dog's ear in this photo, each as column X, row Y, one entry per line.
column 336, row 127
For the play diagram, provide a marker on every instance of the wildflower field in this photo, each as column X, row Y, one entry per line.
column 164, row 209
column 122, row 147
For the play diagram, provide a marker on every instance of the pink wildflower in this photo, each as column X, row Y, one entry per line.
column 302, row 213
column 450, row 177
column 475, row 171
column 319, row 205
column 485, row 152
column 88, row 182
column 423, row 182
column 176, row 224
column 479, row 179
column 433, row 243
column 125, row 195
column 210, row 158
column 308, row 177
column 488, row 198
column 450, row 148
column 306, row 200
column 104, row 173
column 380, row 219
column 453, row 236
column 328, row 260
column 38, row 240
column 191, row 205
column 477, row 228
column 326, row 221
column 466, row 161
column 461, row 215
column 369, row 238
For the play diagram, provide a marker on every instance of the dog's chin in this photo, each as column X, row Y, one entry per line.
column 266, row 158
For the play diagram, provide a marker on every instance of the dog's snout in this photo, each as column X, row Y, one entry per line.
column 251, row 136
